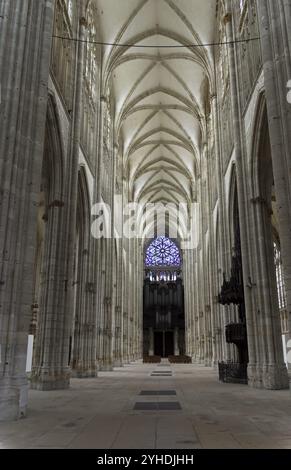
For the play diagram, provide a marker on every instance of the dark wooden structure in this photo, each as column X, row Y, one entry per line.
column 232, row 293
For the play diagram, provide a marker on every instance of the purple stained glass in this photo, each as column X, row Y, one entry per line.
column 162, row 252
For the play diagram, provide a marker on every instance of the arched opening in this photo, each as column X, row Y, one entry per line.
column 163, row 304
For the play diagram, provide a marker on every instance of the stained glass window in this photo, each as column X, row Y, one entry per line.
column 162, row 252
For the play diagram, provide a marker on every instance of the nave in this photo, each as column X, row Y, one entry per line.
column 116, row 411
column 180, row 109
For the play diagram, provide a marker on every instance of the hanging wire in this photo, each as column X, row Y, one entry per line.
column 159, row 46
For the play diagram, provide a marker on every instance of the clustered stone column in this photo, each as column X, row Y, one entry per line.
column 107, row 360
column 205, row 317
column 51, row 369
column 274, row 22
column 266, row 365
column 25, row 44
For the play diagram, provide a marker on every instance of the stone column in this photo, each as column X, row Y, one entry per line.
column 125, row 344
column 209, row 259
column 140, row 299
column 176, row 342
column 91, row 306
column 271, row 374
column 222, row 233
column 124, row 298
column 100, row 309
column 274, row 23
column 130, row 305
column 100, row 243
column 134, row 300
column 141, row 283
column 118, row 337
column 196, row 311
column 237, row 120
column 137, row 306
column 201, row 286
column 84, row 346
column 193, row 294
column 120, row 281
column 107, row 362
column 188, row 294
column 51, row 370
column 25, row 42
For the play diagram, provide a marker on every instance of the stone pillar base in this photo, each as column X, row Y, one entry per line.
column 84, row 373
column 275, row 377
column 106, row 366
column 118, row 363
column 268, row 376
column 47, row 379
column 86, row 370
column 13, row 400
column 255, row 376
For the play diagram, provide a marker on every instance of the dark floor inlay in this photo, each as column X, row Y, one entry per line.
column 170, row 405
column 161, row 375
column 162, row 372
column 163, row 406
column 143, row 406
column 187, row 442
column 158, row 392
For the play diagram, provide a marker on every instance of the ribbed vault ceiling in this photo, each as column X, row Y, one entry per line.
column 160, row 93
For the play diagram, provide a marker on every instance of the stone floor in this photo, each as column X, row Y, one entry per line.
column 101, row 413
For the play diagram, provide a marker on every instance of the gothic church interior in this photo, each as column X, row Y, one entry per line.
column 115, row 115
